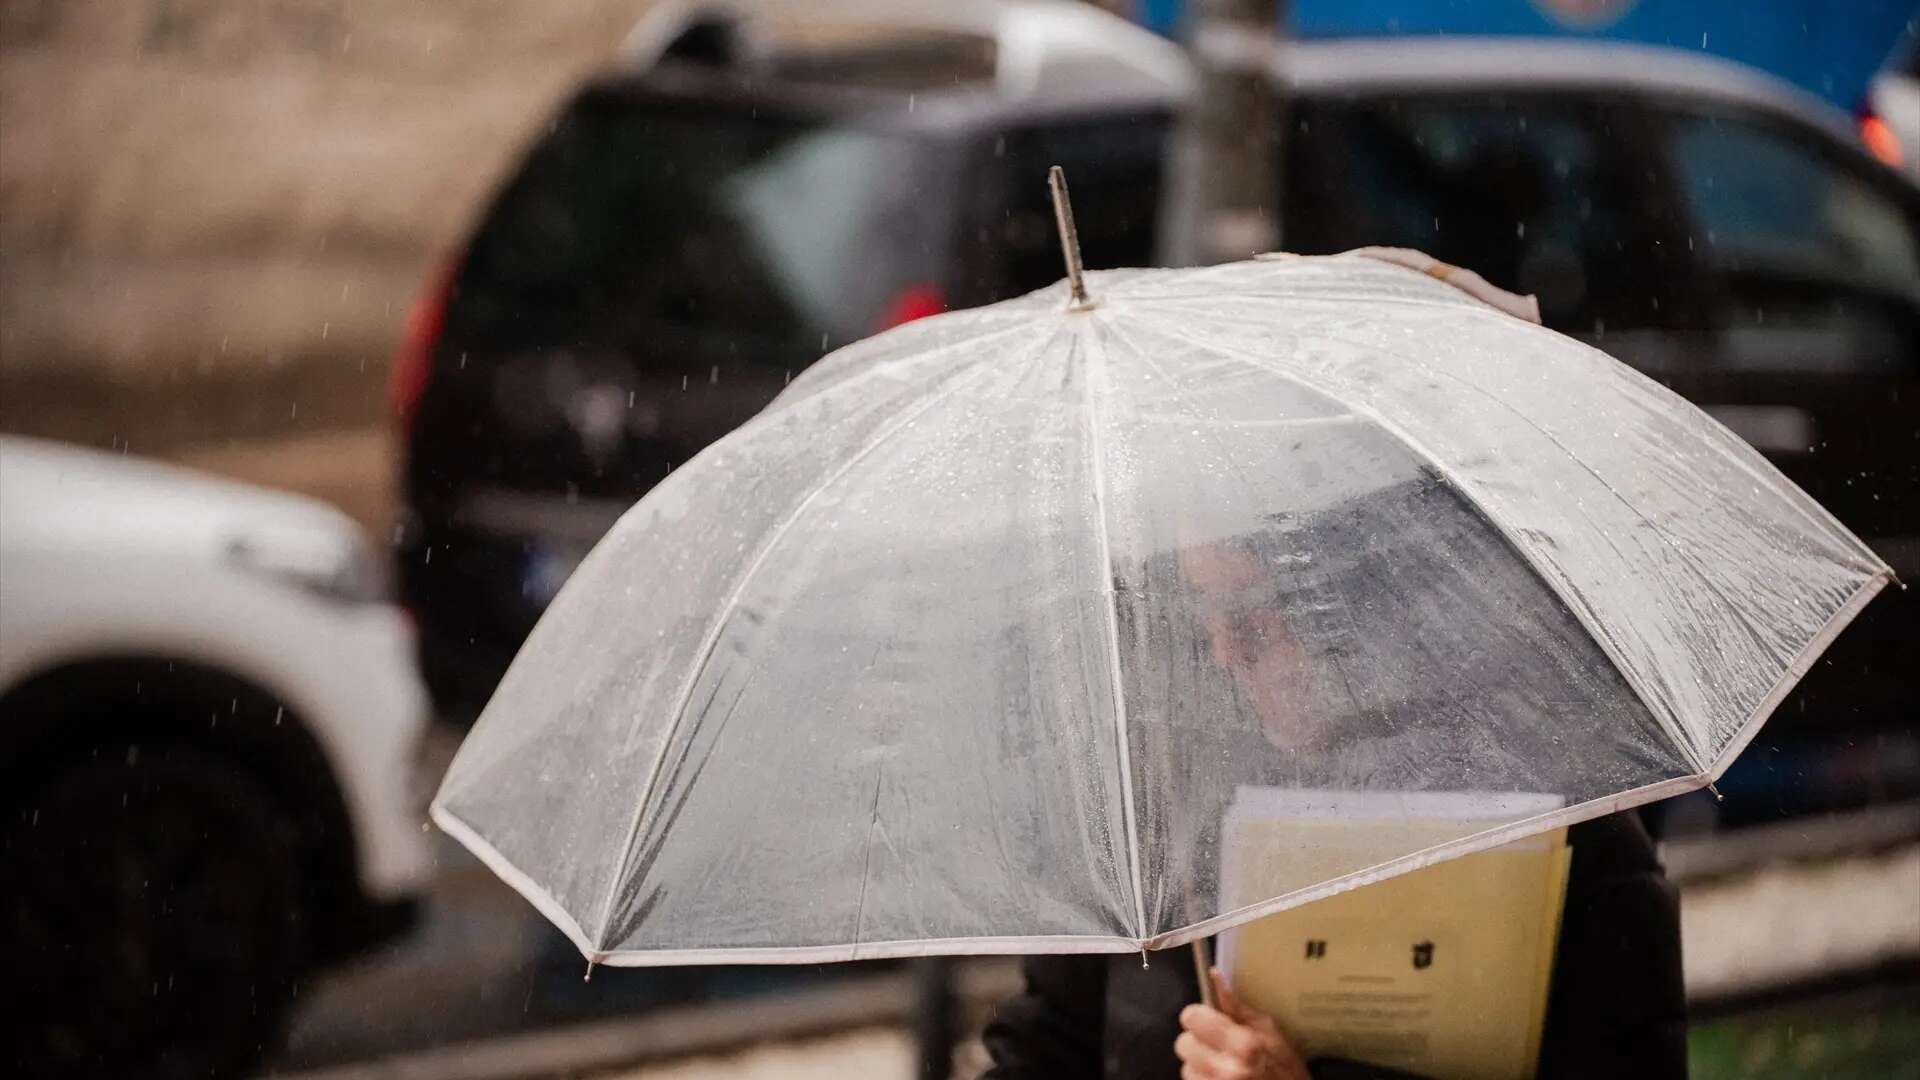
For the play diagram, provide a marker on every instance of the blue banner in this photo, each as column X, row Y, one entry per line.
column 1829, row 49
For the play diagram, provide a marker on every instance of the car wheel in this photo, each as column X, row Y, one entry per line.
column 154, row 915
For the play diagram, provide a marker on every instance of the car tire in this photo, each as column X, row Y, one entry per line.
column 155, row 916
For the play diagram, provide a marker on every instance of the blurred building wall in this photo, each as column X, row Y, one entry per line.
column 215, row 213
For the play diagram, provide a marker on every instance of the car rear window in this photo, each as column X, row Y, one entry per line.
column 635, row 219
column 1528, row 191
column 1816, row 256
column 1773, row 204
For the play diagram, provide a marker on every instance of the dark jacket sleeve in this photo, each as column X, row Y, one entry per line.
column 1055, row 1027
column 1618, row 1005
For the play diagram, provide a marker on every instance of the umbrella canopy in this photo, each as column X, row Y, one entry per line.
column 968, row 642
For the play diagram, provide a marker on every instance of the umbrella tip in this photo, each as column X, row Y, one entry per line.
column 1716, row 792
column 1069, row 236
column 591, row 960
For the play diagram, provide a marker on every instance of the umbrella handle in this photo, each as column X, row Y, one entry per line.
column 1203, row 971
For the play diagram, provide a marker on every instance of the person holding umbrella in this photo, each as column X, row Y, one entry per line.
column 1617, row 1006
column 964, row 644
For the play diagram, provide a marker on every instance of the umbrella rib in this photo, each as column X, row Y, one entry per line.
column 1669, row 725
column 1096, row 458
column 1472, row 843
column 727, row 608
column 866, row 870
column 860, row 376
column 1734, row 449
column 1699, row 755
column 1346, row 681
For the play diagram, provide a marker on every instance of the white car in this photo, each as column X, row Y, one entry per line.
column 208, row 722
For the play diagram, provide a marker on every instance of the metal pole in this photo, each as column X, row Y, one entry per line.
column 933, row 1016
column 1222, row 199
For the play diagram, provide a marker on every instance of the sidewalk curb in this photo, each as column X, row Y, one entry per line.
column 1692, row 859
column 861, row 1001
column 880, row 1000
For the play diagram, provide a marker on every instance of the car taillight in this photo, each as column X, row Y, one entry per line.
column 413, row 359
column 910, row 303
column 1880, row 139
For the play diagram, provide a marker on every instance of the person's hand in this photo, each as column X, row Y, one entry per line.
column 1233, row 1042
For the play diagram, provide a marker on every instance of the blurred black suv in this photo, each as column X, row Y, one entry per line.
column 696, row 228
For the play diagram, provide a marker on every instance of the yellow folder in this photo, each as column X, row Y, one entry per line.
column 1442, row 971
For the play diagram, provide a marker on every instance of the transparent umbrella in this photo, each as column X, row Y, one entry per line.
column 968, row 641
